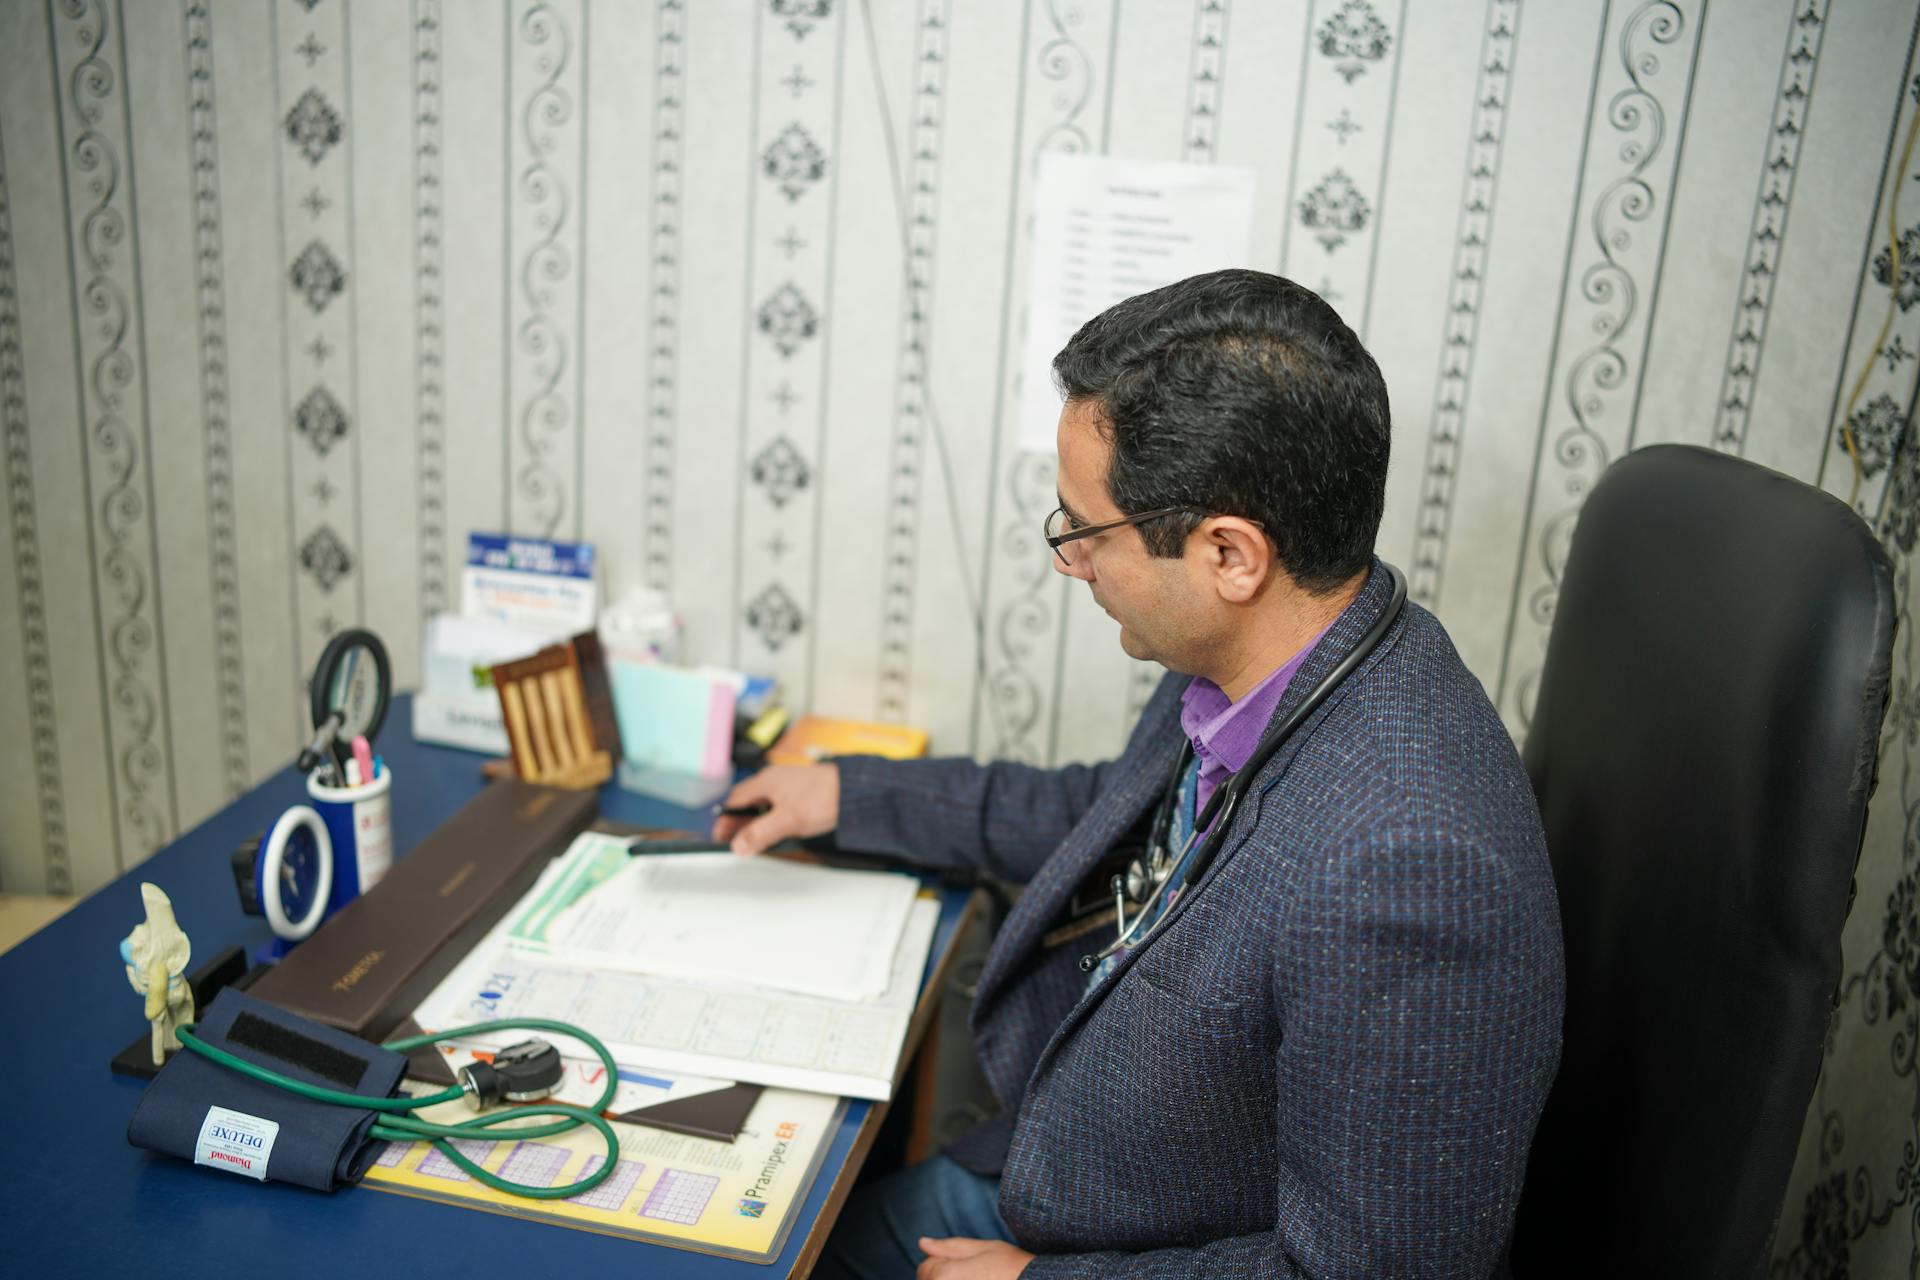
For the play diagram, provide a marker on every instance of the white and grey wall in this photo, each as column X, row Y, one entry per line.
column 294, row 293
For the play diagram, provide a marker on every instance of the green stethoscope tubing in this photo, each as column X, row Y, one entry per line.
column 396, row 1126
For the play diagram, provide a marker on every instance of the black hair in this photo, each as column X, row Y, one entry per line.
column 1240, row 393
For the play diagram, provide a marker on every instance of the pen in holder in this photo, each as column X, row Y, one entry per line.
column 359, row 819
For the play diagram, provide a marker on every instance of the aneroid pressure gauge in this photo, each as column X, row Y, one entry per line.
column 287, row 874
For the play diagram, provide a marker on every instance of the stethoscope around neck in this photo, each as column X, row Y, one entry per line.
column 1147, row 878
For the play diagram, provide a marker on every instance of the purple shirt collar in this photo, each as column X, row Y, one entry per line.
column 1224, row 733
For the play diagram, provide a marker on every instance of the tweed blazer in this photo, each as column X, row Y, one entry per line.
column 1329, row 1059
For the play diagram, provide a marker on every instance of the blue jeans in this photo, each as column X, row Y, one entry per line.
column 878, row 1234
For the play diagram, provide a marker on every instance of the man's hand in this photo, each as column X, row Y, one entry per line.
column 802, row 801
column 959, row 1258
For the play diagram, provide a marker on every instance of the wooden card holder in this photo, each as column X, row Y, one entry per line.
column 544, row 701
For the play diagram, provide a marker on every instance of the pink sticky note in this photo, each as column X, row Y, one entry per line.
column 719, row 754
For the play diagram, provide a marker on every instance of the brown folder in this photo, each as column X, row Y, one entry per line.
column 366, row 968
column 719, row 1115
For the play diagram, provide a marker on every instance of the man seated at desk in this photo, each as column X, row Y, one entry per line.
column 1322, row 1047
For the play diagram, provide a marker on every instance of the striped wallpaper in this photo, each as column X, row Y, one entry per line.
column 295, row 293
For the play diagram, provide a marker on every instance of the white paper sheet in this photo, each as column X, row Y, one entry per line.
column 751, row 1034
column 1105, row 229
column 762, row 922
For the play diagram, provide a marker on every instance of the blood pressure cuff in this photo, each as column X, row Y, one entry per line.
column 208, row 1113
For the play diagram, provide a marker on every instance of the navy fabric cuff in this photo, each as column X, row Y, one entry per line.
column 202, row 1111
column 863, row 822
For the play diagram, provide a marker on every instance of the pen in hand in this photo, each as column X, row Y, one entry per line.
column 642, row 846
column 780, row 803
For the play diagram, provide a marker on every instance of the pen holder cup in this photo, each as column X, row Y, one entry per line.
column 360, row 824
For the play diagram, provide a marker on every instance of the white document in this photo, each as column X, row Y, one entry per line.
column 675, row 1026
column 764, row 922
column 1105, row 229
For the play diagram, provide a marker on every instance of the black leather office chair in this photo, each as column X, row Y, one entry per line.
column 1703, row 744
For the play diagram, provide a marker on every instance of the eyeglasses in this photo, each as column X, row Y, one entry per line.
column 1058, row 535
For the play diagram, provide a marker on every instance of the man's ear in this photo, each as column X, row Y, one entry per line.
column 1239, row 555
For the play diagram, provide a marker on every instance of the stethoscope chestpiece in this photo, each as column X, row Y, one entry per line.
column 524, row 1072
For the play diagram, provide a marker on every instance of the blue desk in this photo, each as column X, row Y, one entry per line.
column 76, row 1200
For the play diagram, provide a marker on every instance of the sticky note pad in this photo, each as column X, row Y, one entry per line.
column 673, row 719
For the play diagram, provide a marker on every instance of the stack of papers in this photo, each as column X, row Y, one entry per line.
column 748, row 969
column 743, row 921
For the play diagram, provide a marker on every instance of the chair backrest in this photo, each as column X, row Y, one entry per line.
column 1703, row 744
